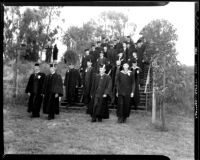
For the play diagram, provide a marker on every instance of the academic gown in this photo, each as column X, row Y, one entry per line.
column 125, row 85
column 136, row 99
column 34, row 87
column 94, row 56
column 98, row 106
column 53, row 84
column 87, row 84
column 72, row 79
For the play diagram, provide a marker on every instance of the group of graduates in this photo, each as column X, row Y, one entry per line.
column 109, row 73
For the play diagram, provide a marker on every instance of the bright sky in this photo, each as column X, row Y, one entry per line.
column 180, row 14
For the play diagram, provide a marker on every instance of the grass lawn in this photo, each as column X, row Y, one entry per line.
column 73, row 133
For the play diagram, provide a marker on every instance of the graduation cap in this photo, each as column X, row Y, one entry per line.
column 98, row 42
column 37, row 64
column 93, row 45
column 86, row 50
column 89, row 60
column 52, row 65
column 128, row 37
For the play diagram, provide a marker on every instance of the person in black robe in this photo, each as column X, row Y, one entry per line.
column 53, row 91
column 72, row 82
column 87, row 83
column 124, row 50
column 130, row 41
column 94, row 55
column 136, row 71
column 98, row 47
column 55, row 53
column 114, row 72
column 118, row 45
column 34, row 90
column 125, row 82
column 85, row 58
column 140, row 54
column 48, row 52
column 101, row 89
column 101, row 60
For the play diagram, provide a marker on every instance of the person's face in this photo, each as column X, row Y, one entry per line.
column 93, row 48
column 99, row 44
column 125, row 66
column 101, row 54
column 87, row 52
column 118, row 63
column 52, row 69
column 124, row 45
column 120, row 55
column 134, row 64
column 128, row 45
column 102, row 70
column 71, row 66
column 36, row 69
column 89, row 63
column 139, row 44
column 134, row 55
column 105, row 48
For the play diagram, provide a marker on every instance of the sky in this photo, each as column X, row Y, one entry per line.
column 180, row 14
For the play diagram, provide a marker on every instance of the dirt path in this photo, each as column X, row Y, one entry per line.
column 73, row 133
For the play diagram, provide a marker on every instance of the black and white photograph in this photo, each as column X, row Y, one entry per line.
column 99, row 80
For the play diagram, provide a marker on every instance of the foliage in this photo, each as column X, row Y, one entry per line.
column 32, row 28
column 71, row 57
column 161, row 37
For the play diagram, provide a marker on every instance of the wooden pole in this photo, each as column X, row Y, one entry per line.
column 153, row 101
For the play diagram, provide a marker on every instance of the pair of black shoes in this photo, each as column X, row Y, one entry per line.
column 96, row 119
column 50, row 117
column 121, row 120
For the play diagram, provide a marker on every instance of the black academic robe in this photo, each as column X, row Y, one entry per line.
column 98, row 106
column 34, row 87
column 118, row 47
column 125, row 53
column 55, row 53
column 84, row 61
column 87, row 84
column 53, row 85
column 136, row 99
column 115, row 70
column 125, row 86
column 72, row 80
column 94, row 56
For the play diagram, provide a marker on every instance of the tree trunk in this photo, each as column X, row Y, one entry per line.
column 153, row 102
column 163, row 102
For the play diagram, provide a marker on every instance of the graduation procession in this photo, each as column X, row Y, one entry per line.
column 109, row 74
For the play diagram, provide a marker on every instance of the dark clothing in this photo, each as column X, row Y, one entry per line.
column 99, row 107
column 101, row 61
column 125, row 54
column 136, row 99
column 115, row 71
column 55, row 53
column 84, row 61
column 118, row 47
column 34, row 87
column 112, row 56
column 53, row 85
column 89, row 73
column 125, row 86
column 140, row 55
column 48, row 54
column 72, row 80
column 94, row 56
